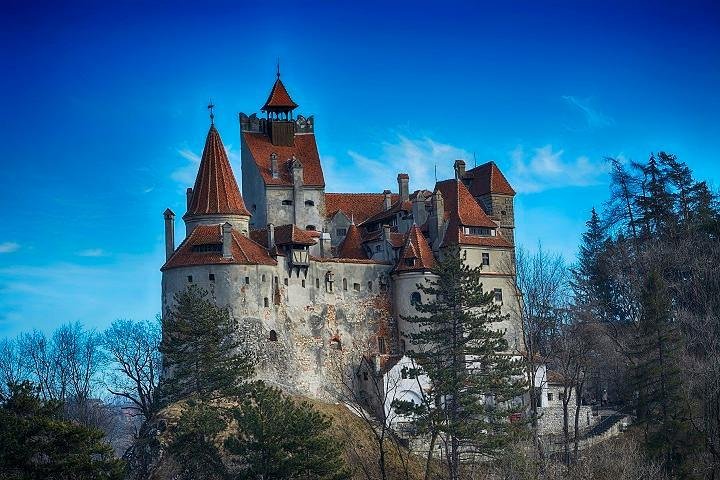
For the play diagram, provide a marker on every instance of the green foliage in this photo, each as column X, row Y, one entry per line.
column 202, row 355
column 36, row 443
column 474, row 380
column 279, row 438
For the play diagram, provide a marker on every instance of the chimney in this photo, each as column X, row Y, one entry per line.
column 169, row 233
column 459, row 169
column 274, row 165
column 297, row 171
column 388, row 199
column 418, row 209
column 188, row 196
column 325, row 245
column 227, row 240
column 270, row 235
column 403, row 180
column 438, row 217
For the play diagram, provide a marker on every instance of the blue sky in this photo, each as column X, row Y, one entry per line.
column 103, row 117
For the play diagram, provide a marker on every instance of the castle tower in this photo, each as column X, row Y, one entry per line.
column 282, row 177
column 413, row 267
column 215, row 198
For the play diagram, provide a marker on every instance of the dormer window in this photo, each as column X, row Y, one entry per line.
column 207, row 248
column 410, row 262
column 484, row 232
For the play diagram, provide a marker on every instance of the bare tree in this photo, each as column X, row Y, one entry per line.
column 133, row 350
column 13, row 369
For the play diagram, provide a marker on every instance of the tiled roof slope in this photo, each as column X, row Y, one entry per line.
column 279, row 98
column 358, row 206
column 304, row 149
column 215, row 190
column 460, row 204
column 351, row 246
column 285, row 235
column 397, row 207
column 488, row 178
column 244, row 251
column 416, row 255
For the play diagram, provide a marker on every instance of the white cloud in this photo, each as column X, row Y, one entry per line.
column 92, row 252
column 593, row 117
column 416, row 157
column 546, row 169
column 9, row 247
column 185, row 175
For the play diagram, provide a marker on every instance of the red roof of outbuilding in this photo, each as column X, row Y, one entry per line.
column 215, row 190
column 304, row 149
column 488, row 178
column 358, row 206
column 279, row 98
column 416, row 255
column 351, row 246
column 244, row 251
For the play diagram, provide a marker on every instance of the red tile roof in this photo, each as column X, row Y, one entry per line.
column 244, row 251
column 358, row 206
column 304, row 149
column 488, row 178
column 279, row 98
column 215, row 190
column 351, row 246
column 460, row 205
column 397, row 239
column 285, row 235
column 416, row 255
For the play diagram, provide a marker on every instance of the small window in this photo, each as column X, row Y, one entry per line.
column 498, row 294
column 254, row 207
column 356, row 287
column 189, row 277
column 317, row 283
column 266, row 302
column 303, row 283
column 415, row 298
column 486, row 259
column 503, row 212
column 211, row 277
column 247, row 280
column 286, row 282
column 404, row 373
column 263, row 277
column 341, row 232
column 287, row 202
column 485, row 232
column 273, row 336
column 410, row 262
column 550, row 396
column 310, row 228
column 276, row 280
column 344, row 283
column 377, row 247
column 309, row 203
column 561, row 396
column 365, row 376
column 403, row 345
column 381, row 344
column 370, row 286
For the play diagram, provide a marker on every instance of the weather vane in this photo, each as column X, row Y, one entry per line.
column 210, row 107
column 278, row 67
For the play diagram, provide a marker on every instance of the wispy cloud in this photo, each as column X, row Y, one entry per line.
column 92, row 252
column 9, row 247
column 593, row 117
column 546, row 169
column 185, row 175
column 415, row 156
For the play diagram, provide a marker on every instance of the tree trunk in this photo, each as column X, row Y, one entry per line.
column 428, row 461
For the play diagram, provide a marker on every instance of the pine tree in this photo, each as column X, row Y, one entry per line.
column 656, row 202
column 279, row 438
column 474, row 380
column 591, row 283
column 202, row 355
column 661, row 408
column 37, row 443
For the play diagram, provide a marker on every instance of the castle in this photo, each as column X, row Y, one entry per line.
column 313, row 276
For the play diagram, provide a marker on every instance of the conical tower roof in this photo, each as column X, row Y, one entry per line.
column 416, row 254
column 279, row 99
column 351, row 246
column 215, row 190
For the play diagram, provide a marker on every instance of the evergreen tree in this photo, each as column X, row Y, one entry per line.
column 202, row 355
column 661, row 408
column 280, row 438
column 474, row 380
column 37, row 443
column 656, row 202
column 591, row 283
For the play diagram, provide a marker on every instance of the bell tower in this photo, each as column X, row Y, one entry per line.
column 278, row 108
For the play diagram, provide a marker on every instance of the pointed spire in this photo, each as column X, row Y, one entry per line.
column 279, row 100
column 212, row 114
column 416, row 254
column 215, row 190
column 351, row 246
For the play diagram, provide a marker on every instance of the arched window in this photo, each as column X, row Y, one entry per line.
column 344, row 283
column 415, row 299
column 273, row 336
column 309, row 203
column 266, row 302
